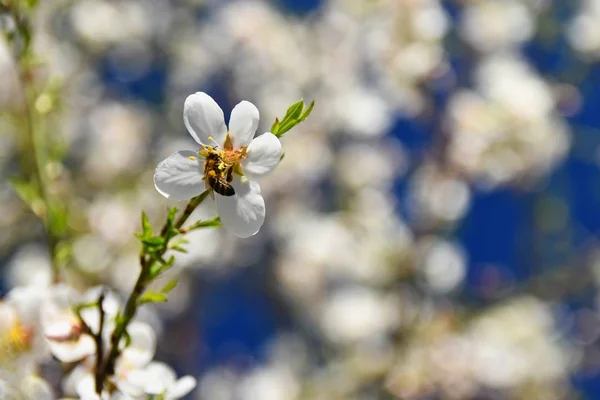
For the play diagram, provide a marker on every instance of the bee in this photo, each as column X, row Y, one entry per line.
column 218, row 178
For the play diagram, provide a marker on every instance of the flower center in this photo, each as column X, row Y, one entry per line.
column 225, row 160
column 15, row 340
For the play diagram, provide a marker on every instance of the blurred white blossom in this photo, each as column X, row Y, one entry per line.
column 507, row 129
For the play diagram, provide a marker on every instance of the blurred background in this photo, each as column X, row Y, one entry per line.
column 431, row 232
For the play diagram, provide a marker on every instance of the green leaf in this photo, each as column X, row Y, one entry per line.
column 308, row 111
column 146, row 227
column 154, row 241
column 152, row 297
column 178, row 244
column 26, row 190
column 179, row 249
column 294, row 115
column 210, row 223
column 58, row 218
column 127, row 338
column 294, row 111
column 171, row 215
column 159, row 266
column 155, row 269
column 282, row 156
column 169, row 286
column 275, row 127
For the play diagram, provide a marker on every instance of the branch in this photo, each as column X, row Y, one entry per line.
column 147, row 260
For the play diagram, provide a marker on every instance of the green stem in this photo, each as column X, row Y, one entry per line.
column 189, row 209
column 36, row 170
column 139, row 288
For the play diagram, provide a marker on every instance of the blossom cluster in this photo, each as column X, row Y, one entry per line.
column 41, row 323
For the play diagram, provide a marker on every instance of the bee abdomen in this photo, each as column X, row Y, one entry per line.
column 223, row 188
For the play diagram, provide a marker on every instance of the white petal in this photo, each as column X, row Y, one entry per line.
column 86, row 388
column 155, row 378
column 37, row 388
column 71, row 351
column 203, row 117
column 111, row 303
column 243, row 123
column 262, row 156
column 124, row 384
column 179, row 177
column 243, row 213
column 143, row 344
column 8, row 317
column 70, row 381
column 60, row 328
column 27, row 301
column 182, row 387
column 63, row 296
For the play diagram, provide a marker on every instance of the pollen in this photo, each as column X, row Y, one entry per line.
column 192, row 158
column 15, row 340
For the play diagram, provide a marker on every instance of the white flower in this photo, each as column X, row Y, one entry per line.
column 229, row 163
column 135, row 357
column 159, row 379
column 21, row 342
column 131, row 364
column 63, row 330
column 26, row 387
column 81, row 382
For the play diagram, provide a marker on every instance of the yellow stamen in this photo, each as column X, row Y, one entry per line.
column 15, row 341
column 228, row 145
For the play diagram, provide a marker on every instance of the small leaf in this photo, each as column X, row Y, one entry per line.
column 308, row 111
column 169, row 286
column 159, row 266
column 63, row 252
column 146, row 227
column 154, row 241
column 295, row 110
column 171, row 215
column 210, row 223
column 155, row 269
column 282, row 156
column 275, row 127
column 27, row 191
column 179, row 249
column 294, row 115
column 152, row 297
column 127, row 338
column 167, row 263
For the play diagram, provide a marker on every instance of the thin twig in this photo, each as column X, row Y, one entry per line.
column 100, row 345
column 146, row 261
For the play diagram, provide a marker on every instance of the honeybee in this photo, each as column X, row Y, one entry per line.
column 218, row 178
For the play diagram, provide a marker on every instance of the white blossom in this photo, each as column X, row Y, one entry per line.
column 160, row 379
column 236, row 159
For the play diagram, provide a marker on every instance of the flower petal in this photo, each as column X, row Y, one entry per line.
column 143, row 345
column 182, row 387
column 243, row 123
column 262, row 156
column 243, row 213
column 203, row 117
column 37, row 388
column 155, row 378
column 179, row 177
column 71, row 351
